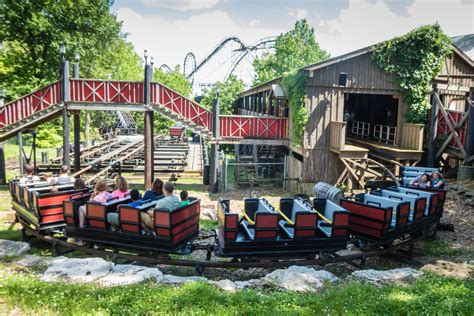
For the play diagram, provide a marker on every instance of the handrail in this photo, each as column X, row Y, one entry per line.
column 285, row 217
column 247, row 217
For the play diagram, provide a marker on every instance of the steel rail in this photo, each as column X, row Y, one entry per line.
column 221, row 264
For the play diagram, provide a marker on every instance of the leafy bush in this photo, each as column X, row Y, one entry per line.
column 416, row 58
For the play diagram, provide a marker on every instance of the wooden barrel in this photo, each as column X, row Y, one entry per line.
column 326, row 191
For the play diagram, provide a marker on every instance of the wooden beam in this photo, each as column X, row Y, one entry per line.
column 352, row 172
column 448, row 140
column 450, row 125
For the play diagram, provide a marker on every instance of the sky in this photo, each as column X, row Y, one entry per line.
column 169, row 29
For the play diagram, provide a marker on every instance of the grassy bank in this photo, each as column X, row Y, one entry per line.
column 431, row 295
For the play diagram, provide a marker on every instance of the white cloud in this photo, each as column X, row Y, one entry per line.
column 181, row 5
column 298, row 13
column 365, row 23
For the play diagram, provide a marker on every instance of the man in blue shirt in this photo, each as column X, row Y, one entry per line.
column 169, row 202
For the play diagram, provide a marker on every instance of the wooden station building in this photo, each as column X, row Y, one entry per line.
column 357, row 119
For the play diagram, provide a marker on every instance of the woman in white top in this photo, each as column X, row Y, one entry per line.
column 28, row 175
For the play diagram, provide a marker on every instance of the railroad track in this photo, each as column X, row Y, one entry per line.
column 357, row 260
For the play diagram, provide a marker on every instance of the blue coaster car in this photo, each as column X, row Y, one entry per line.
column 295, row 229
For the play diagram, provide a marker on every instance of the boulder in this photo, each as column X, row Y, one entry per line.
column 469, row 202
column 300, row 279
column 450, row 269
column 31, row 261
column 9, row 248
column 77, row 270
column 124, row 274
column 173, row 279
column 380, row 277
column 226, row 285
column 462, row 190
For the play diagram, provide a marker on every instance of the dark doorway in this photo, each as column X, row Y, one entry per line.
column 371, row 116
column 372, row 108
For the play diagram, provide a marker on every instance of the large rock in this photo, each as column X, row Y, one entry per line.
column 233, row 286
column 379, row 277
column 77, row 270
column 173, row 279
column 31, row 261
column 124, row 274
column 450, row 269
column 301, row 279
column 10, row 248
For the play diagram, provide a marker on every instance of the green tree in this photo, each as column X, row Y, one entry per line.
column 33, row 30
column 229, row 89
column 293, row 50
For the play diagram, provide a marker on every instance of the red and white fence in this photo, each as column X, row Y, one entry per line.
column 30, row 104
column 131, row 92
column 106, row 91
column 181, row 105
column 253, row 127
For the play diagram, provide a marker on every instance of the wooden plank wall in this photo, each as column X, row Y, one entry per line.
column 325, row 103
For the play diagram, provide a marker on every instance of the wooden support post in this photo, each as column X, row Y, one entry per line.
column 214, row 185
column 431, row 159
column 20, row 153
column 149, row 145
column 470, row 125
column 65, row 99
column 77, row 141
column 3, row 174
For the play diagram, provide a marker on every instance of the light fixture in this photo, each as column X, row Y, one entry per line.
column 145, row 54
column 62, row 50
column 152, row 61
column 77, row 57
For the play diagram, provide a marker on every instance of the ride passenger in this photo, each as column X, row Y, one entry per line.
column 28, row 175
column 99, row 195
column 113, row 217
column 422, row 181
column 48, row 177
column 79, row 184
column 437, row 181
column 169, row 202
column 64, row 177
column 155, row 191
column 184, row 198
column 122, row 187
column 54, row 187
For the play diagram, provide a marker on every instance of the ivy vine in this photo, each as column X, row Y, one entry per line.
column 294, row 84
column 416, row 58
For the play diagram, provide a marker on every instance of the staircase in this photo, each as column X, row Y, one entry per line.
column 187, row 123
column 30, row 110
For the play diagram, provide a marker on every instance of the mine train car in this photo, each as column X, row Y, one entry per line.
column 388, row 214
column 295, row 229
column 173, row 231
column 37, row 207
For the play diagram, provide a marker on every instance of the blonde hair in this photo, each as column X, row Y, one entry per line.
column 121, row 184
